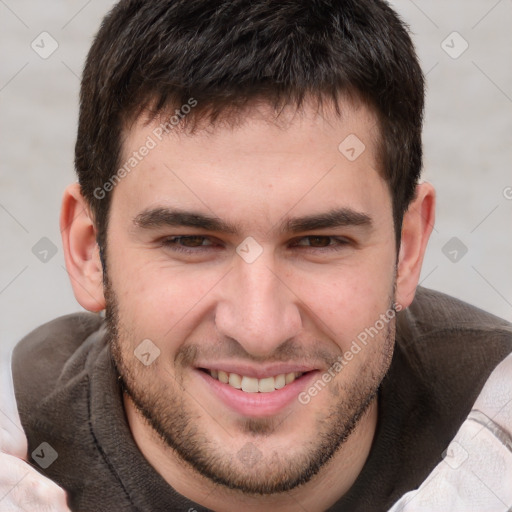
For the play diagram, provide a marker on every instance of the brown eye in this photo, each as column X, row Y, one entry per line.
column 192, row 241
column 189, row 243
column 319, row 241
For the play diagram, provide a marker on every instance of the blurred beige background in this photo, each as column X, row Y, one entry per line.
column 465, row 48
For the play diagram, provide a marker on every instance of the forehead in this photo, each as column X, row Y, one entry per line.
column 261, row 166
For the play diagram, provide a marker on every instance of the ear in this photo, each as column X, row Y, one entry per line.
column 81, row 250
column 417, row 226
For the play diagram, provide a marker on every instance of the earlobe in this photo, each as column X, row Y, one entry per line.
column 417, row 226
column 81, row 250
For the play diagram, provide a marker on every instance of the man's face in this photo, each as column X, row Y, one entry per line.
column 276, row 294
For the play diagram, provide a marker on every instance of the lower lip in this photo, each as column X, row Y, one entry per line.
column 257, row 405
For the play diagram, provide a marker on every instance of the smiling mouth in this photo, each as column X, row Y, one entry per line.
column 253, row 384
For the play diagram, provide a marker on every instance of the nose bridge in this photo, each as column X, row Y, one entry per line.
column 258, row 310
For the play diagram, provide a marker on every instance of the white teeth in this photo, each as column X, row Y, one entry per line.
column 235, row 380
column 249, row 384
column 290, row 377
column 280, row 381
column 266, row 385
column 254, row 385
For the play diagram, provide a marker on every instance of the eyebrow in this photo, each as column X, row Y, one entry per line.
column 155, row 218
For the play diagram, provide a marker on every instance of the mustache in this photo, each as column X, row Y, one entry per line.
column 308, row 352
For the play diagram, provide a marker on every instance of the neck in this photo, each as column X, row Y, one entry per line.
column 322, row 491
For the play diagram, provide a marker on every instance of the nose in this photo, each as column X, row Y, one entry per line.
column 258, row 309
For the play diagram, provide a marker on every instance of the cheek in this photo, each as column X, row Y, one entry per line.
column 160, row 302
column 348, row 299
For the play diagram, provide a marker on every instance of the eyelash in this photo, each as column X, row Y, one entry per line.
column 171, row 243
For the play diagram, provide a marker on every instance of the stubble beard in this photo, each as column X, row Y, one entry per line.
column 166, row 407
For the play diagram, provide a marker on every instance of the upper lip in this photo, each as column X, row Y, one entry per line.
column 258, row 372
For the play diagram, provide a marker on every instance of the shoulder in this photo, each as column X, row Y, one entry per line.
column 435, row 317
column 52, row 355
column 451, row 346
column 433, row 310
